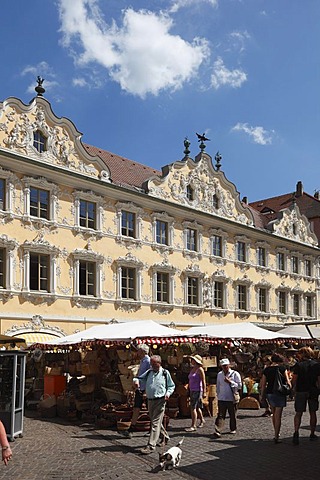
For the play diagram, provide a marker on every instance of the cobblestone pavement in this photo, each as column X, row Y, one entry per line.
column 55, row 450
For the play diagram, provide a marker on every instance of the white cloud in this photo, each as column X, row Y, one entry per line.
column 222, row 76
column 177, row 4
column 141, row 55
column 257, row 134
column 239, row 40
column 79, row 82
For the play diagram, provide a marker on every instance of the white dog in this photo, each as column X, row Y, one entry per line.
column 171, row 458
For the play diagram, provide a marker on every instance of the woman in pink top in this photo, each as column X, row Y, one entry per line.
column 197, row 388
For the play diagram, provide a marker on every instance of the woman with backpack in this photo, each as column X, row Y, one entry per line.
column 269, row 390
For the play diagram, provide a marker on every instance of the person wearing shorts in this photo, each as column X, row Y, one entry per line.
column 197, row 388
column 276, row 401
column 305, row 381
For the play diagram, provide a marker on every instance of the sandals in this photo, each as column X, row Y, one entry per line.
column 201, row 424
column 191, row 429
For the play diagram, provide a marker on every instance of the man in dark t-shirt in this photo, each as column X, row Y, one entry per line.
column 305, row 382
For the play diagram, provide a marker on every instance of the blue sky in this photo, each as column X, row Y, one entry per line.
column 137, row 77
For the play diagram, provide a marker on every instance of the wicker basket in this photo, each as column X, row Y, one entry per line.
column 123, row 425
column 143, row 423
column 249, row 403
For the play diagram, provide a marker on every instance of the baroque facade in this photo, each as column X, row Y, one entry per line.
column 88, row 237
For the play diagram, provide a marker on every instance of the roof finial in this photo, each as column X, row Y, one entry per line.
column 218, row 159
column 39, row 88
column 186, row 144
column 202, row 138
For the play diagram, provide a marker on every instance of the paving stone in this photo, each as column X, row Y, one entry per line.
column 54, row 450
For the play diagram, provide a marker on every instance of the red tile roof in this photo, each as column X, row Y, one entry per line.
column 122, row 170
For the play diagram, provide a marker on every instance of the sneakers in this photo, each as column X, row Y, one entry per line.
column 201, row 424
column 233, row 432
column 295, row 439
column 216, row 434
column 126, row 433
column 313, row 437
column 147, row 450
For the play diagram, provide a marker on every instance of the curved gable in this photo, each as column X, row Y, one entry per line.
column 212, row 192
column 290, row 223
column 63, row 147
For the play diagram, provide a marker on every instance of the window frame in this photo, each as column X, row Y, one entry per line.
column 296, row 304
column 39, row 140
column 242, row 297
column 282, row 302
column 218, row 297
column 40, row 184
column 88, row 257
column 137, row 212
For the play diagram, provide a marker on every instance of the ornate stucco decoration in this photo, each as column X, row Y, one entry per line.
column 212, row 192
column 19, row 122
column 293, row 225
column 37, row 324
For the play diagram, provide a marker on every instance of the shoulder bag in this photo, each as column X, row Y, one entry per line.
column 279, row 387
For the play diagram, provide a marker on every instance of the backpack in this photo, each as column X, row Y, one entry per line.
column 164, row 373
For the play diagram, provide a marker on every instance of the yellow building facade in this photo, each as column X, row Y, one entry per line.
column 78, row 248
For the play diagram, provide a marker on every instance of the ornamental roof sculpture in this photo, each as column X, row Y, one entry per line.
column 212, row 192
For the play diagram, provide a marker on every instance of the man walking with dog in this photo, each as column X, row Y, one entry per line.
column 228, row 386
column 159, row 387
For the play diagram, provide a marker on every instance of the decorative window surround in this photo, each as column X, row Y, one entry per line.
column 217, row 232
column 242, row 239
column 129, row 261
column 266, row 286
column 266, row 248
column 87, row 255
column 285, row 252
column 42, row 184
column 9, row 246
column 198, row 228
column 40, row 246
column 194, row 272
column 244, row 281
column 308, row 262
column 129, row 207
column 162, row 217
column 10, row 183
column 220, row 276
column 90, row 197
column 163, row 267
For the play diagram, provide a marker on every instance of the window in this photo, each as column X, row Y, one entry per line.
column 193, row 291
column 87, row 278
column 162, row 236
column 308, row 268
column 2, row 268
column 296, row 304
column 128, row 283
column 163, row 287
column 309, row 306
column 192, row 239
column 39, row 272
column 281, row 261
column 39, row 141
column 128, row 224
column 262, row 256
column 39, row 203
column 190, row 193
column 218, row 294
column 215, row 202
column 294, row 264
column 217, row 245
column 241, row 251
column 2, row 194
column 87, row 214
column 262, row 307
column 242, row 297
column 282, row 298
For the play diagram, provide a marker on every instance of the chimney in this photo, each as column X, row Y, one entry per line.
column 245, row 200
column 299, row 189
column 317, row 195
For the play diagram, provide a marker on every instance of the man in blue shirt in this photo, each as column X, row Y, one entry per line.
column 159, row 386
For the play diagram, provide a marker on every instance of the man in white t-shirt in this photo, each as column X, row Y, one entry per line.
column 228, row 385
